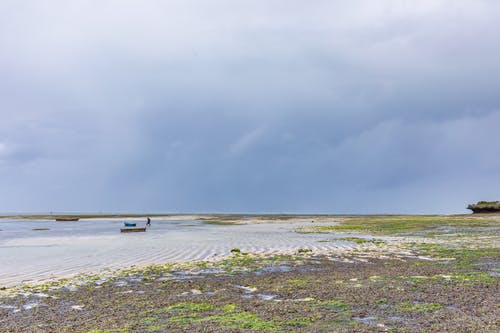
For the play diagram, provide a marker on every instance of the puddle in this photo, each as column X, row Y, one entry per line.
column 125, row 292
column 369, row 320
column 350, row 261
column 396, row 319
column 183, row 275
column 306, row 299
column 120, row 283
column 266, row 297
column 101, row 281
column 71, row 288
column 197, row 292
column 7, row 307
column 247, row 290
column 30, row 305
column 164, row 278
column 212, row 271
column 273, row 269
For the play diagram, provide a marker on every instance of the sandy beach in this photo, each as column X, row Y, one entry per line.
column 35, row 250
column 252, row 273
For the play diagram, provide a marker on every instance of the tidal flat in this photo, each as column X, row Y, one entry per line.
column 389, row 274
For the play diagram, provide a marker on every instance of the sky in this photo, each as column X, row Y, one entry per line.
column 261, row 106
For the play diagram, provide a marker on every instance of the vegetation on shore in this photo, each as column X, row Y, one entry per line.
column 394, row 225
column 315, row 295
column 413, row 273
column 485, row 207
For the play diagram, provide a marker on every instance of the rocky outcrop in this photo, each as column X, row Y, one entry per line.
column 485, row 207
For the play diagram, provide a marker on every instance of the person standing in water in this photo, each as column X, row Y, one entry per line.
column 148, row 224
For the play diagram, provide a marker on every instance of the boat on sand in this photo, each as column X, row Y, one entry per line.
column 133, row 229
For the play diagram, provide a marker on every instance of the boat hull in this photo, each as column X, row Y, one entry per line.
column 133, row 229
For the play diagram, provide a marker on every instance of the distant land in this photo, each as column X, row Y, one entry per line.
column 485, row 207
column 479, row 208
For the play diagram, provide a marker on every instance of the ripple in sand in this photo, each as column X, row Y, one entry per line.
column 93, row 246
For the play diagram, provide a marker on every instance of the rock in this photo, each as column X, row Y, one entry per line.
column 485, row 207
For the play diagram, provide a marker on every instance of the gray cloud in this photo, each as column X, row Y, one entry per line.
column 265, row 106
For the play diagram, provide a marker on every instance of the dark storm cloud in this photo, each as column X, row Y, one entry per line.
column 250, row 106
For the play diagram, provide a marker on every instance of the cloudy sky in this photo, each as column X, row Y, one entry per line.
column 249, row 106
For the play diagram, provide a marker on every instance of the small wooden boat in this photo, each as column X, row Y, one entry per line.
column 67, row 219
column 133, row 229
column 129, row 224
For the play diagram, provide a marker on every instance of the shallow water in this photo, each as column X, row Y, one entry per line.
column 92, row 245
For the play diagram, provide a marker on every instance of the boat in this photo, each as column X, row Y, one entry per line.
column 129, row 224
column 132, row 229
column 67, row 219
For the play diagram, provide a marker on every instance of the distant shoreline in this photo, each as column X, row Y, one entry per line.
column 224, row 216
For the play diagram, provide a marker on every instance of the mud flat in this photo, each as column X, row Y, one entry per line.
column 395, row 274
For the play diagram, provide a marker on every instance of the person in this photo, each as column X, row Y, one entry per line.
column 148, row 224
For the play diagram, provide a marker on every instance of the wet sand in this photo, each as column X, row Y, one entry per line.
column 63, row 249
column 360, row 274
